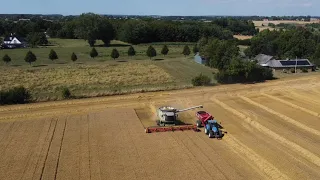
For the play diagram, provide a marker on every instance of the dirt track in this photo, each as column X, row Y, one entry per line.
column 273, row 133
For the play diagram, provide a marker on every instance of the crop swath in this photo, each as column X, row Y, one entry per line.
column 171, row 128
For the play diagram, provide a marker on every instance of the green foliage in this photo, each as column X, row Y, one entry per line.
column 272, row 25
column 316, row 56
column 17, row 95
column 294, row 43
column 195, row 49
column 186, row 50
column 219, row 52
column 93, row 53
column 6, row 58
column 74, row 57
column 131, row 51
column 30, row 57
column 244, row 42
column 151, row 52
column 66, row 94
column 91, row 27
column 115, row 54
column 164, row 50
column 201, row 80
column 241, row 71
column 53, row 55
column 37, row 38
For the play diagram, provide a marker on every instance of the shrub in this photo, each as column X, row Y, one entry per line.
column 6, row 58
column 30, row 57
column 292, row 70
column 66, row 94
column 201, row 80
column 115, row 54
column 74, row 57
column 93, row 53
column 17, row 95
column 53, row 55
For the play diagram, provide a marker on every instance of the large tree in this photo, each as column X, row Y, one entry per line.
column 91, row 27
column 35, row 39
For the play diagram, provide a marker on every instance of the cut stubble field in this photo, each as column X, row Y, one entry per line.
column 273, row 133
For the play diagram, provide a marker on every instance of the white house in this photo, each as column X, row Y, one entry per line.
column 13, row 42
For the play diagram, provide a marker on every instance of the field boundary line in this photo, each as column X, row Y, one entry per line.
column 283, row 117
column 293, row 146
column 292, row 105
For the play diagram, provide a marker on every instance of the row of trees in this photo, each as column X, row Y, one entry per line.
column 92, row 27
column 151, row 52
column 299, row 42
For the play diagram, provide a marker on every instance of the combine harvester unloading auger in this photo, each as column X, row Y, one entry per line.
column 168, row 120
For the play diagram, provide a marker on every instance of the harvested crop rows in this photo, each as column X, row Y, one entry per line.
column 273, row 133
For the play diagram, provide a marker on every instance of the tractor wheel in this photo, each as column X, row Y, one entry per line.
column 211, row 134
column 205, row 130
column 199, row 123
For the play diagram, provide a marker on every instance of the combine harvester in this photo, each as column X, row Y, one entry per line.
column 168, row 120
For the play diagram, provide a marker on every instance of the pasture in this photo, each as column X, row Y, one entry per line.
column 88, row 77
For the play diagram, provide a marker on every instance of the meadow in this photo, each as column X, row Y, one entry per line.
column 100, row 76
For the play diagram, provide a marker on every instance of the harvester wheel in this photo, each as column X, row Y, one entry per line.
column 199, row 123
column 211, row 134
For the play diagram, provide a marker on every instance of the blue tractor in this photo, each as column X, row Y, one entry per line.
column 213, row 129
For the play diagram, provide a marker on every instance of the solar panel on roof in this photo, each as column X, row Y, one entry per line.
column 293, row 63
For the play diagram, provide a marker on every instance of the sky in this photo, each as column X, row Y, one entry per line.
column 164, row 7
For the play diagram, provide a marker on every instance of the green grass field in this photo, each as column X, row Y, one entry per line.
column 100, row 76
column 65, row 47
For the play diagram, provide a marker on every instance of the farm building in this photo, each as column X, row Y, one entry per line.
column 275, row 64
column 11, row 42
column 199, row 59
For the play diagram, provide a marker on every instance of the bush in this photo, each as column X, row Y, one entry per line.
column 66, row 94
column 17, row 95
column 242, row 72
column 292, row 70
column 304, row 70
column 201, row 80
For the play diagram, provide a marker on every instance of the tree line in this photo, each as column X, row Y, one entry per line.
column 224, row 56
column 151, row 52
column 294, row 43
column 92, row 27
